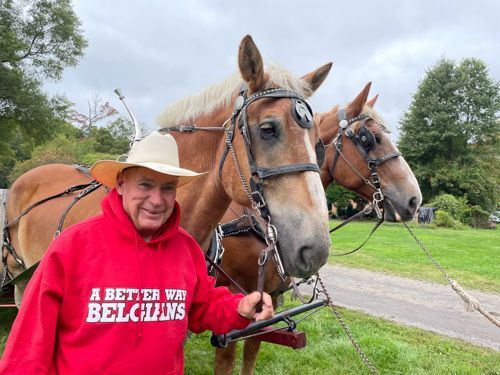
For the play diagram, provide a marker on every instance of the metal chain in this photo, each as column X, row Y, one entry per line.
column 365, row 180
column 346, row 329
column 242, row 178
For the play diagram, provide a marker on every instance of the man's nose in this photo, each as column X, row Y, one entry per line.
column 155, row 197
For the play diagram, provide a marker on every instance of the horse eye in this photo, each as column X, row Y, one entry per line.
column 377, row 138
column 267, row 130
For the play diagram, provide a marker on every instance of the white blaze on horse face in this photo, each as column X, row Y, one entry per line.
column 314, row 184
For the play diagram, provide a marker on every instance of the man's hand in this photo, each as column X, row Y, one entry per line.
column 248, row 304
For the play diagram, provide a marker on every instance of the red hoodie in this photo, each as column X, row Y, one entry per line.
column 104, row 301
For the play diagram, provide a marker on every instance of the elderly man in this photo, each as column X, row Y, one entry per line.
column 117, row 293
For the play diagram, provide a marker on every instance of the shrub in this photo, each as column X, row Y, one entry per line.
column 58, row 150
column 479, row 218
column 91, row 158
column 445, row 220
column 456, row 207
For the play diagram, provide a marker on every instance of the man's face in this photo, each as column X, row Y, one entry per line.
column 148, row 198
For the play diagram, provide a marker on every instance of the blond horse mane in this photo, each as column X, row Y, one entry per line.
column 220, row 94
column 366, row 109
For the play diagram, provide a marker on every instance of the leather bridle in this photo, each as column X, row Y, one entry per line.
column 303, row 116
column 365, row 143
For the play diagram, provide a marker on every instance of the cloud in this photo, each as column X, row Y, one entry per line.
column 158, row 51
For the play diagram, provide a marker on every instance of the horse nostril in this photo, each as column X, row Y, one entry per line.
column 413, row 202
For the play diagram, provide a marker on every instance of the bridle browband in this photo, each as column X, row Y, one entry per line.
column 302, row 114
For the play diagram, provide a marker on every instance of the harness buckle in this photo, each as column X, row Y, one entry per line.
column 189, row 128
column 271, row 234
column 262, row 258
column 279, row 265
column 257, row 200
column 378, row 197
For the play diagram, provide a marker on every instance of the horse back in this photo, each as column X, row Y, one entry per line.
column 35, row 231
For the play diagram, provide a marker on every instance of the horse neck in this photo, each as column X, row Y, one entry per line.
column 203, row 202
column 328, row 133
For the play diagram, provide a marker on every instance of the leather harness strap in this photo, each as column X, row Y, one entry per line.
column 7, row 244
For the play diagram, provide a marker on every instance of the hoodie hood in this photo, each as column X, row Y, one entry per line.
column 112, row 207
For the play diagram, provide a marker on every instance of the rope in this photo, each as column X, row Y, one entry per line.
column 471, row 303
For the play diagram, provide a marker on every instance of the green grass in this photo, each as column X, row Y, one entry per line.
column 469, row 256
column 393, row 349
column 7, row 316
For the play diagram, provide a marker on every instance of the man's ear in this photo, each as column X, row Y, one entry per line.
column 119, row 184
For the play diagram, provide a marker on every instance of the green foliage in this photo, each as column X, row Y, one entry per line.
column 479, row 218
column 42, row 37
column 114, row 138
column 444, row 219
column 91, row 158
column 457, row 208
column 338, row 195
column 342, row 199
column 58, row 150
column 37, row 40
column 449, row 134
column 70, row 147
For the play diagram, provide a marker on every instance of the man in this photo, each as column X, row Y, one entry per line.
column 116, row 294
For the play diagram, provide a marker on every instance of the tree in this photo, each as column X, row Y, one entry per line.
column 38, row 39
column 449, row 134
column 43, row 36
column 96, row 113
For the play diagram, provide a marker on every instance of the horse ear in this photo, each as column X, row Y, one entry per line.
column 370, row 103
column 316, row 78
column 250, row 63
column 356, row 106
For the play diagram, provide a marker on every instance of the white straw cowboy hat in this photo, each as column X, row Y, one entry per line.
column 157, row 152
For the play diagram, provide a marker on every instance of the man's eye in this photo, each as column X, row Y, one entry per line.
column 168, row 188
column 144, row 185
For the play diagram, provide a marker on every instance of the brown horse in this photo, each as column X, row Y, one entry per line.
column 397, row 182
column 271, row 137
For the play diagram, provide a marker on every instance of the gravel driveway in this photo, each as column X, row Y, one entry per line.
column 421, row 304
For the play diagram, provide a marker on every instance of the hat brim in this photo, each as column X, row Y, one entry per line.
column 107, row 171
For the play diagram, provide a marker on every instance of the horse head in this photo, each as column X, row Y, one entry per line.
column 359, row 152
column 264, row 159
column 283, row 137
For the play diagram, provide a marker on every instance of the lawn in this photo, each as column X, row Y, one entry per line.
column 469, row 256
column 392, row 348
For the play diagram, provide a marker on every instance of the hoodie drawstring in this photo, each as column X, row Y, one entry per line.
column 139, row 276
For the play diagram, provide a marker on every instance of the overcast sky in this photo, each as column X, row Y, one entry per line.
column 160, row 51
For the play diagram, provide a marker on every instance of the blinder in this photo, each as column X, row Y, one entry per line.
column 302, row 113
column 320, row 152
column 366, row 138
